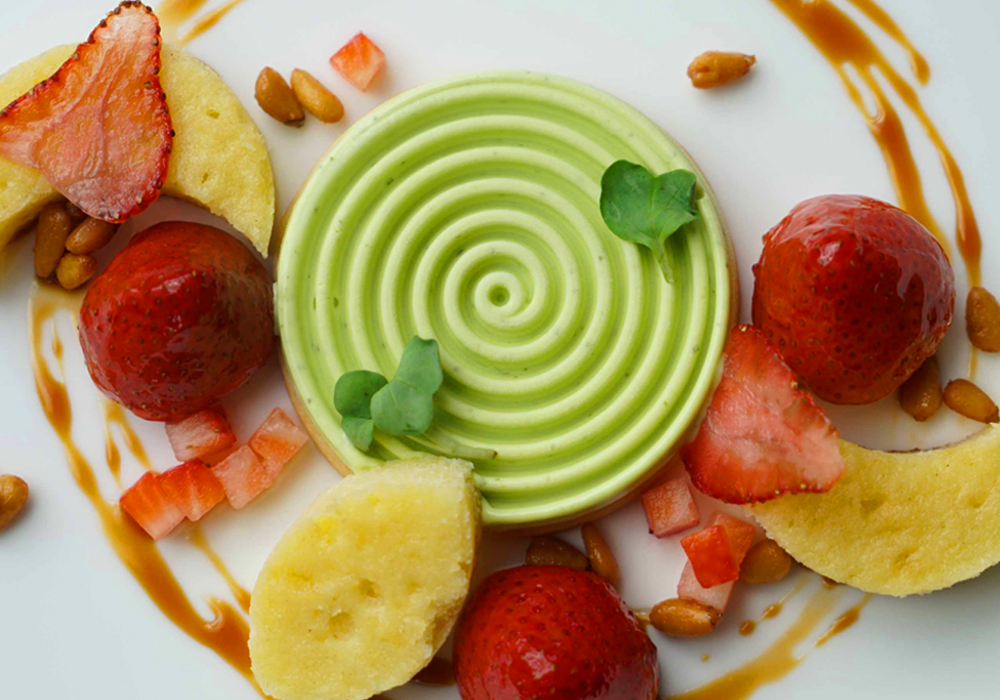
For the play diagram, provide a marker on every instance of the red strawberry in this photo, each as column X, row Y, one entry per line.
column 711, row 555
column 762, row 436
column 855, row 294
column 243, row 477
column 740, row 533
column 180, row 318
column 276, row 441
column 201, row 434
column 99, row 130
column 716, row 597
column 552, row 632
column 151, row 507
column 359, row 60
column 670, row 508
column 192, row 488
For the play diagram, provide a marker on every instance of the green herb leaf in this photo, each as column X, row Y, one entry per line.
column 420, row 366
column 361, row 431
column 353, row 394
column 646, row 210
column 352, row 397
column 405, row 406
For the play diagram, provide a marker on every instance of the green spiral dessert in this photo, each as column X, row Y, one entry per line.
column 467, row 211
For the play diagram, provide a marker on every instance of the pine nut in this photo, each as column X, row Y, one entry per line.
column 54, row 227
column 318, row 101
column 277, row 99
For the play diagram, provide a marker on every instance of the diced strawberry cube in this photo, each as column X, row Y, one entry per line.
column 711, row 555
column 243, row 476
column 716, row 597
column 740, row 533
column 276, row 442
column 670, row 508
column 192, row 488
column 151, row 507
column 200, row 435
column 359, row 60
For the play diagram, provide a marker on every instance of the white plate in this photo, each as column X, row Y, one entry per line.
column 73, row 622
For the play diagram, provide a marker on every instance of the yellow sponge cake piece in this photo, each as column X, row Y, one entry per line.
column 362, row 590
column 898, row 523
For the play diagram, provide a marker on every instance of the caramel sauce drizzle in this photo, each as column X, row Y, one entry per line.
column 775, row 662
column 197, row 538
column 844, row 621
column 918, row 64
column 173, row 13
column 207, row 21
column 844, row 43
column 747, row 627
column 114, row 415
column 227, row 632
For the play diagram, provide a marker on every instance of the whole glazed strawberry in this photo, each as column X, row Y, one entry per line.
column 854, row 293
column 180, row 318
column 552, row 632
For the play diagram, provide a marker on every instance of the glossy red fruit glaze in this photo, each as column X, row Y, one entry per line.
column 854, row 293
column 180, row 318
column 552, row 632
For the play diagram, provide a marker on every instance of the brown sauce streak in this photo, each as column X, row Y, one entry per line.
column 173, row 13
column 887, row 24
column 197, row 538
column 774, row 663
column 748, row 627
column 844, row 621
column 844, row 43
column 115, row 415
column 227, row 632
column 207, row 21
column 438, row 672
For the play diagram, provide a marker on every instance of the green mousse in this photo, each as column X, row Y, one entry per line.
column 467, row 211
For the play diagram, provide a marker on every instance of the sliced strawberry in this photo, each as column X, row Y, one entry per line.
column 716, row 597
column 670, row 508
column 740, row 533
column 712, row 557
column 276, row 442
column 99, row 130
column 359, row 60
column 192, row 488
column 763, row 436
column 243, row 477
column 199, row 435
column 151, row 507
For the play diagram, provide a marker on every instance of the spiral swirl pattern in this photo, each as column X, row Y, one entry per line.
column 467, row 211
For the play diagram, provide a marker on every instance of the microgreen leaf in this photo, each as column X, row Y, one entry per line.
column 405, row 406
column 352, row 397
column 420, row 366
column 646, row 210
column 361, row 431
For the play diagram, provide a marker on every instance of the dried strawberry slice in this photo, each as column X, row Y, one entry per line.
column 763, row 436
column 99, row 129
